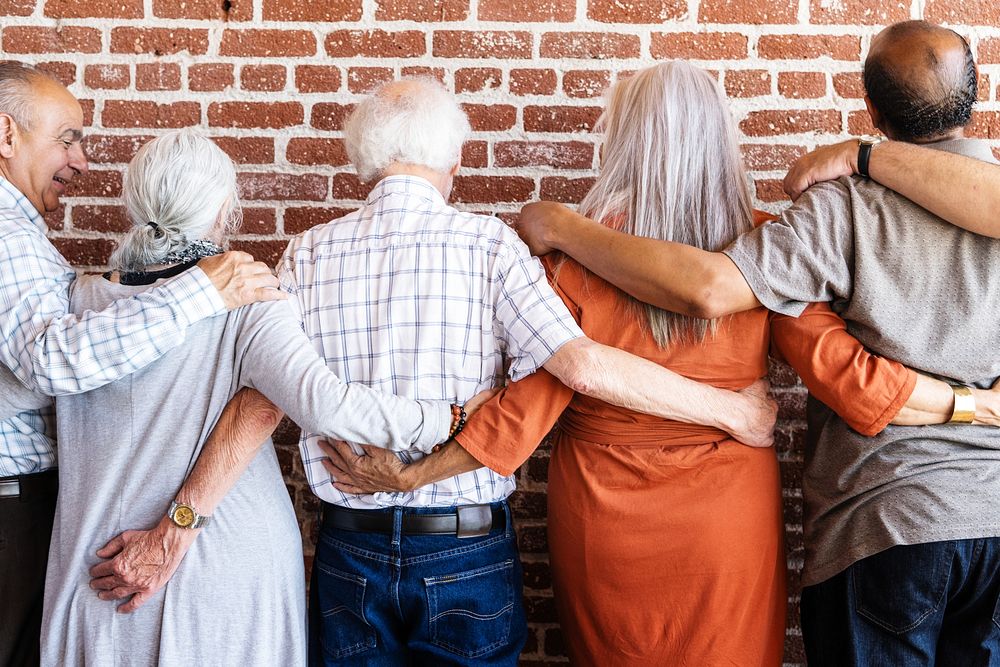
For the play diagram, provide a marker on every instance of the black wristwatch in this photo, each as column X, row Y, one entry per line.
column 865, row 145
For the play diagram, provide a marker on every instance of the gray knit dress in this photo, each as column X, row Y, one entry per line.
column 238, row 597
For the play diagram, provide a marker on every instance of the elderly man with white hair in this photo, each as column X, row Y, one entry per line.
column 414, row 297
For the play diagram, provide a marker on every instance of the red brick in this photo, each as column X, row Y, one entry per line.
column 376, row 44
column 107, row 77
column 247, row 150
column 85, row 9
column 562, row 155
column 560, row 118
column 317, row 78
column 565, row 190
column 541, row 10
column 56, row 220
column 858, row 12
column 17, row 7
column 262, row 77
column 312, row 150
column 984, row 125
column 436, row 11
column 263, row 250
column 157, row 76
column 966, row 12
column 121, row 113
column 593, row 45
column 476, row 79
column 859, row 122
column 366, row 79
column 206, row 10
column 849, row 85
column 475, row 154
column 983, row 87
column 586, row 83
column 63, row 72
column 267, row 43
column 96, row 184
column 770, row 157
column 68, row 39
column 330, row 116
column 101, row 218
column 748, row 11
column 283, row 10
column 636, row 11
column 422, row 70
column 532, row 81
column 490, row 117
column 988, row 52
column 482, row 44
column 159, row 41
column 347, row 186
column 698, row 45
column 490, row 189
column 210, row 76
column 838, row 47
column 88, row 110
column 103, row 149
column 85, row 252
column 299, row 187
column 301, row 218
column 747, row 83
column 766, row 123
column 259, row 221
column 255, row 114
column 802, row 85
column 769, row 190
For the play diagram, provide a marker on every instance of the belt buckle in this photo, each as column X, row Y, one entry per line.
column 10, row 488
column 474, row 520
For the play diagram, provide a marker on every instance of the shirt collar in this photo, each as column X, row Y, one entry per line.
column 405, row 184
column 11, row 197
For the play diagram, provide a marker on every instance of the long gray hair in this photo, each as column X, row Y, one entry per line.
column 671, row 170
column 182, row 182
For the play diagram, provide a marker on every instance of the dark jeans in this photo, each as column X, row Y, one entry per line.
column 399, row 599
column 925, row 604
column 25, row 530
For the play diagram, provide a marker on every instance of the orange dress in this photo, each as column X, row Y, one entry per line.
column 665, row 538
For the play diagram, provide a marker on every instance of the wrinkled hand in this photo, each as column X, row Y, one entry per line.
column 756, row 424
column 988, row 405
column 535, row 225
column 139, row 563
column 823, row 164
column 377, row 469
column 240, row 280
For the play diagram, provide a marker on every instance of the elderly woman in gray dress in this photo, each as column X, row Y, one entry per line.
column 126, row 449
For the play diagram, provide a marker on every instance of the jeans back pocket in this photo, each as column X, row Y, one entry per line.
column 470, row 612
column 341, row 595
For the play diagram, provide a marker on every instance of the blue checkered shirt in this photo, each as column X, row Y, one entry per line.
column 415, row 298
column 56, row 353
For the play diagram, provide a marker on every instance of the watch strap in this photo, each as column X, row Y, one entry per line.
column 865, row 145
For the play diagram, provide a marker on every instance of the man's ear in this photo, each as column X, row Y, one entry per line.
column 454, row 169
column 8, row 136
column 874, row 115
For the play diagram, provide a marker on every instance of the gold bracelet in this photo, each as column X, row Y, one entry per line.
column 965, row 406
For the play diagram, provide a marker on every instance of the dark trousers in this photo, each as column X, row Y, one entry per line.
column 923, row 604
column 25, row 529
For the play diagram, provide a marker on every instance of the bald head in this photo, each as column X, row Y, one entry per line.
column 921, row 80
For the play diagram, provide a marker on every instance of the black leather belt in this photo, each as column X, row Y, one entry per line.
column 466, row 521
column 35, row 485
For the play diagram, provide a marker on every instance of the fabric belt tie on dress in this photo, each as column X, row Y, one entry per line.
column 466, row 521
column 36, row 484
column 650, row 433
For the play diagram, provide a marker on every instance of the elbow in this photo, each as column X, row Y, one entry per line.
column 708, row 300
column 582, row 367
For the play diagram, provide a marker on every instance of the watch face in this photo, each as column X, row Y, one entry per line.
column 183, row 516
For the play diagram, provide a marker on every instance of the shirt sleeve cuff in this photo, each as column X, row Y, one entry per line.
column 436, row 425
column 903, row 393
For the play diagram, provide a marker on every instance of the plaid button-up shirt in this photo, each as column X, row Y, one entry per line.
column 413, row 297
column 56, row 353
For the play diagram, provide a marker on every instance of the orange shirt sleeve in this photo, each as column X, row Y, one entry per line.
column 866, row 390
column 508, row 428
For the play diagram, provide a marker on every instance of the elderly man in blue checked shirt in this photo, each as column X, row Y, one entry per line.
column 43, row 350
column 413, row 297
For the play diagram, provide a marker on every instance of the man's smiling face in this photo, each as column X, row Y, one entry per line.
column 41, row 159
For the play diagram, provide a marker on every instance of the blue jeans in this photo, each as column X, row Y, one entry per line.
column 924, row 604
column 401, row 599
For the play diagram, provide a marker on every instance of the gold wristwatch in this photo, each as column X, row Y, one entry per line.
column 185, row 516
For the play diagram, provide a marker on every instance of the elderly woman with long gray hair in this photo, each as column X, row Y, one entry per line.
column 126, row 449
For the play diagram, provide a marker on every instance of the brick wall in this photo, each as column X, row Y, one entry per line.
column 273, row 79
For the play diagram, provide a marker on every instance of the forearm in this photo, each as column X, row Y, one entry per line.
column 962, row 190
column 672, row 276
column 933, row 402
column 246, row 423
column 447, row 462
